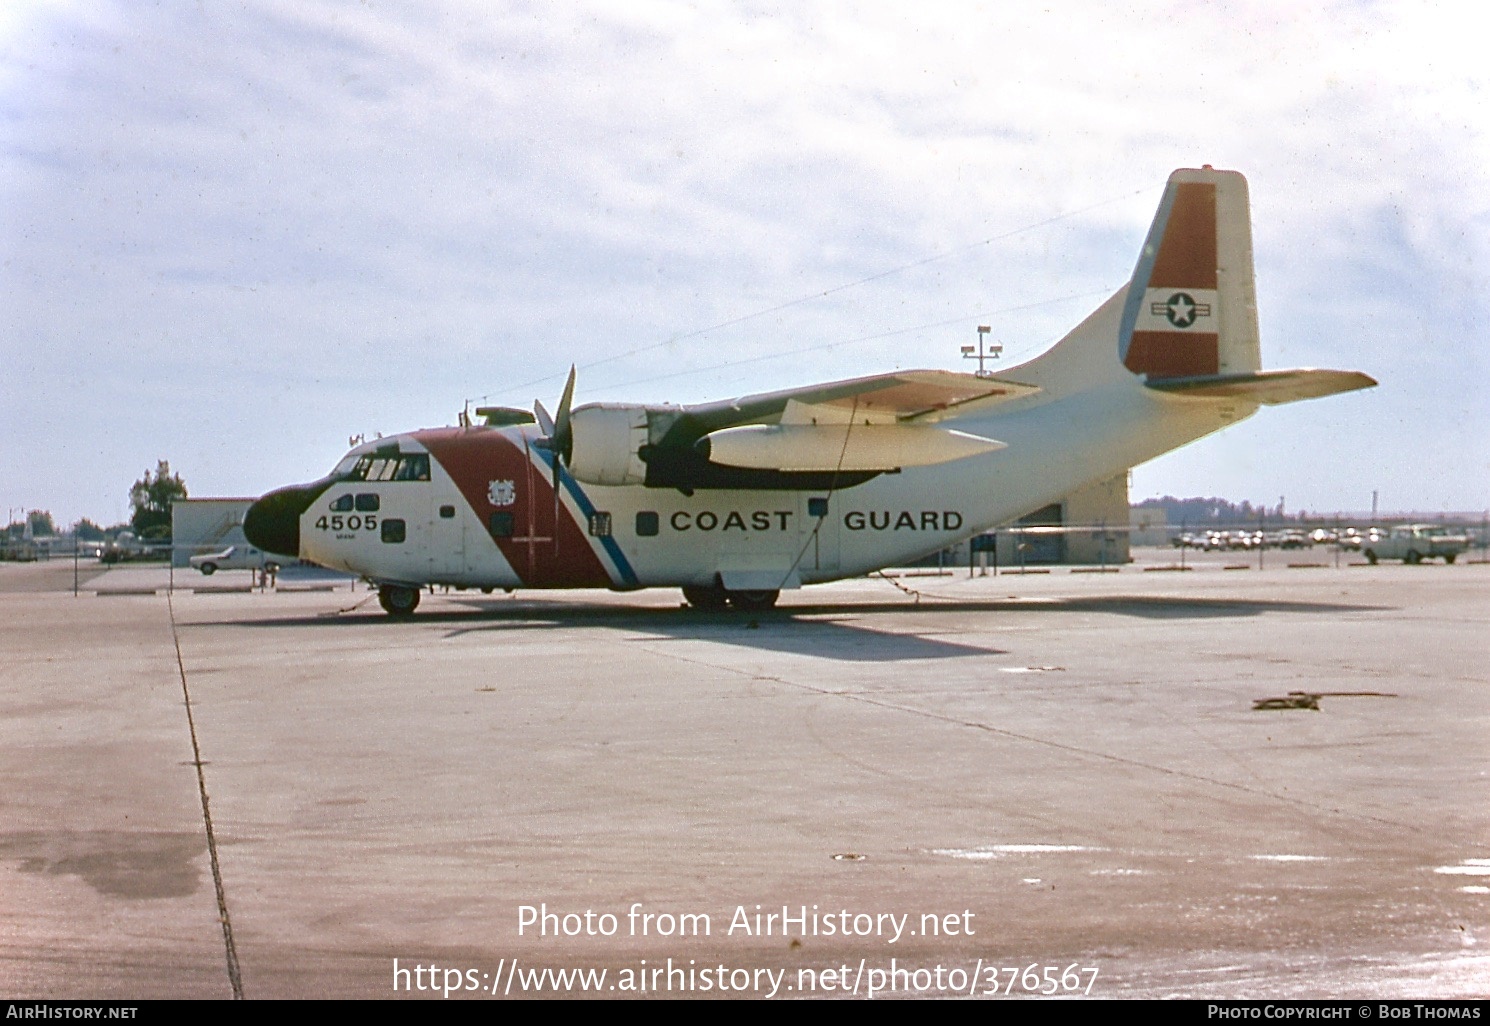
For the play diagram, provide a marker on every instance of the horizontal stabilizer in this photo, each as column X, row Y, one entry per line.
column 1269, row 387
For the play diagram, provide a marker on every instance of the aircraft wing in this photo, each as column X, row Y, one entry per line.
column 859, row 426
column 904, row 397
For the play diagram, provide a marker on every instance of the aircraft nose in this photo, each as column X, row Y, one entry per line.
column 272, row 524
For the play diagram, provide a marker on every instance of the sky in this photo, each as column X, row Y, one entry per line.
column 233, row 235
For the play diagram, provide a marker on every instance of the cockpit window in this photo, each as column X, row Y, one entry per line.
column 412, row 466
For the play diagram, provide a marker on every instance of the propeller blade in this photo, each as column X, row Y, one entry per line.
column 545, row 422
column 563, row 436
column 557, row 438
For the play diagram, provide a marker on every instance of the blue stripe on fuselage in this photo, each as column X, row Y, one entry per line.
column 623, row 567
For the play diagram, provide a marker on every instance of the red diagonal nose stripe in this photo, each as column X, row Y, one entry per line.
column 543, row 555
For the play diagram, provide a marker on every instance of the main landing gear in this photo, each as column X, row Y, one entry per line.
column 714, row 598
column 398, row 599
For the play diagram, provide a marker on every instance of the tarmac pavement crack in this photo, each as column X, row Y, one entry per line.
column 230, row 950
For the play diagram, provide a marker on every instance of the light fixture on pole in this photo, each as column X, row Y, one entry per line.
column 983, row 351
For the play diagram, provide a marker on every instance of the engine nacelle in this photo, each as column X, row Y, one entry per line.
column 607, row 437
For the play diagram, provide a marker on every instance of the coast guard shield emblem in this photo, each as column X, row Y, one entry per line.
column 501, row 493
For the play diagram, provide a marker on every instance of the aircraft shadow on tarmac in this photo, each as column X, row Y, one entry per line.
column 839, row 631
column 841, row 640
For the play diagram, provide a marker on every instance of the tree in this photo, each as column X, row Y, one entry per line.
column 41, row 523
column 151, row 498
column 87, row 530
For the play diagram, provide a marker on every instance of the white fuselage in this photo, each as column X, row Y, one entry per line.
column 485, row 515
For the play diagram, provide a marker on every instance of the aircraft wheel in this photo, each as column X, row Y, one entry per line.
column 1413, row 556
column 753, row 601
column 208, row 569
column 398, row 600
column 711, row 599
column 1449, row 557
column 1370, row 556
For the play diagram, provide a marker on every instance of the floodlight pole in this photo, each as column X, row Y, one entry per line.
column 983, row 351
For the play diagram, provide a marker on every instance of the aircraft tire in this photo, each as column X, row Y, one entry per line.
column 208, row 569
column 753, row 601
column 710, row 599
column 398, row 600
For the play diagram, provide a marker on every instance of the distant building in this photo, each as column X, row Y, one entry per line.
column 199, row 526
column 1150, row 527
column 1089, row 526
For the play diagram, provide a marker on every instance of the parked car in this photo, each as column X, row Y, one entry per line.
column 126, row 548
column 236, row 557
column 1413, row 543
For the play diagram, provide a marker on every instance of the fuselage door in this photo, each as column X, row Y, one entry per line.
column 447, row 551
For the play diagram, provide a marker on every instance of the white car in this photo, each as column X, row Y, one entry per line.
column 1413, row 543
column 236, row 557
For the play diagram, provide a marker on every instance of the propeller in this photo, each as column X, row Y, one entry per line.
column 558, row 434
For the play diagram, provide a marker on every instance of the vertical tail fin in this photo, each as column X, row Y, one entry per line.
column 1186, row 323
column 1191, row 308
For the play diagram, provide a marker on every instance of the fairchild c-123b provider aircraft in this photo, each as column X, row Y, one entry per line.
column 734, row 501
